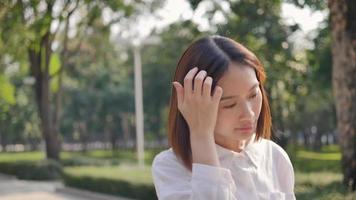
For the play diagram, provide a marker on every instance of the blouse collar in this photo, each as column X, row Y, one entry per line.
column 252, row 151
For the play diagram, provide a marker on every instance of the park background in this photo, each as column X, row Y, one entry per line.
column 68, row 83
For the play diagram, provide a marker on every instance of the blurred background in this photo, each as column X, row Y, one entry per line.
column 85, row 87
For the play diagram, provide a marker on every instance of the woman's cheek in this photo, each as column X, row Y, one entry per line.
column 223, row 118
column 220, row 119
column 258, row 105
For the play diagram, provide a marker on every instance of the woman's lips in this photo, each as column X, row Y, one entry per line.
column 245, row 129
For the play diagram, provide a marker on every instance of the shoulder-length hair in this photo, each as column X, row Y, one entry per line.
column 212, row 54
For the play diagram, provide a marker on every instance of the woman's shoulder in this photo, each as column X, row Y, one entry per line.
column 283, row 168
column 166, row 158
column 164, row 155
column 167, row 162
column 278, row 153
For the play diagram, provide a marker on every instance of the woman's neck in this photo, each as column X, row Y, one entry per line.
column 234, row 145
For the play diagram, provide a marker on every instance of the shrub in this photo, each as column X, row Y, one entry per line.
column 87, row 161
column 33, row 170
column 111, row 186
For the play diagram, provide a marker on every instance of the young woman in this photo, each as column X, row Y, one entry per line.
column 219, row 130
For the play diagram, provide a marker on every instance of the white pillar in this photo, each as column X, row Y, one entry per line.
column 139, row 107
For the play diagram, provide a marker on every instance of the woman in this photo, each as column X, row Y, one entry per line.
column 219, row 129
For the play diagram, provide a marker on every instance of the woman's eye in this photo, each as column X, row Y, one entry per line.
column 253, row 96
column 230, row 106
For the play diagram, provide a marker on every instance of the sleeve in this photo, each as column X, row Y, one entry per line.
column 206, row 182
column 286, row 176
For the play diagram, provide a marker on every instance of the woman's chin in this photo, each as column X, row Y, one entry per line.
column 242, row 135
column 235, row 135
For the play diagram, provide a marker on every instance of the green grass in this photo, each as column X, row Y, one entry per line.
column 127, row 156
column 318, row 156
column 21, row 156
column 307, row 161
column 318, row 174
column 321, row 186
column 124, row 172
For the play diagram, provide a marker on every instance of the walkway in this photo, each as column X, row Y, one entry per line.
column 14, row 189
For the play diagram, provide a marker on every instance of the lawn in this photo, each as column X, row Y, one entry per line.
column 124, row 172
column 103, row 156
column 321, row 186
column 21, row 156
column 318, row 174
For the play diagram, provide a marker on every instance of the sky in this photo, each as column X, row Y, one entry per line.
column 173, row 10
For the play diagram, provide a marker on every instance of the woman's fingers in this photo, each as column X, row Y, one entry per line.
column 194, row 82
column 180, row 93
column 198, row 82
column 188, row 81
column 196, row 101
column 207, row 86
column 218, row 91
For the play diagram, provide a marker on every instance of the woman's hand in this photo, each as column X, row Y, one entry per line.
column 198, row 107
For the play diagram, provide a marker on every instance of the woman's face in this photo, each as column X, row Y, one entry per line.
column 239, row 107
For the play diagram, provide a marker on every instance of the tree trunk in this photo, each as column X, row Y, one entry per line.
column 125, row 125
column 83, row 134
column 343, row 25
column 113, row 139
column 306, row 137
column 3, row 141
column 39, row 64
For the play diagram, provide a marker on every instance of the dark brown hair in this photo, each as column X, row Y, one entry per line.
column 212, row 54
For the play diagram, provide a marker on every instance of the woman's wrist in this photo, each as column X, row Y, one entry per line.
column 202, row 135
column 204, row 149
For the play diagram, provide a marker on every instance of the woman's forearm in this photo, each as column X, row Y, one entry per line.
column 204, row 149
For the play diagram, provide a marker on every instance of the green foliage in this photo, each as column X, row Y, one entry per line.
column 7, row 93
column 313, row 4
column 257, row 25
column 26, row 38
column 122, row 181
column 158, row 70
column 54, row 68
column 98, row 85
column 317, row 174
column 19, row 122
column 95, row 102
column 33, row 170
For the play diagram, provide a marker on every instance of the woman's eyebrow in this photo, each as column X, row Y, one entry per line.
column 254, row 86
column 231, row 96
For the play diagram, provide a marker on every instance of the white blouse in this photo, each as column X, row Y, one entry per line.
column 262, row 170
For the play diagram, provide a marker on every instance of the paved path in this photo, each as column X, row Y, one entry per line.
column 14, row 189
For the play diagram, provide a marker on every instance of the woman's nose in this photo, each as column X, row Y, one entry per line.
column 245, row 112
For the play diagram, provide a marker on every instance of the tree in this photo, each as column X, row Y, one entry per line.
column 343, row 30
column 35, row 20
column 7, row 99
column 96, row 103
column 157, row 63
column 256, row 24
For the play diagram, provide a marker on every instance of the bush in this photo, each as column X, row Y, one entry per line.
column 33, row 170
column 88, row 161
column 111, row 186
